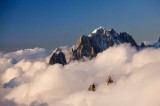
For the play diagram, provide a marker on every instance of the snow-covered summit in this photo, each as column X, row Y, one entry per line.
column 99, row 30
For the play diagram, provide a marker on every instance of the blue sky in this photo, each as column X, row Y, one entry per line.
column 53, row 23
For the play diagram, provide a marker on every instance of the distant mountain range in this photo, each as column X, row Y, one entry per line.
column 96, row 42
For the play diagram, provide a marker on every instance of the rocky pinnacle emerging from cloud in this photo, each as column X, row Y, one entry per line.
column 57, row 57
column 97, row 41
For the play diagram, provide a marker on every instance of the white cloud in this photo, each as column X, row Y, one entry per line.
column 135, row 74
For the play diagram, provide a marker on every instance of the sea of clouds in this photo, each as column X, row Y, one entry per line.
column 26, row 79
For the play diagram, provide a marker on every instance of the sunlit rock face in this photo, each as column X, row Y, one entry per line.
column 82, row 48
column 57, row 57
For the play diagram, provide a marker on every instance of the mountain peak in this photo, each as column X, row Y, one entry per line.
column 57, row 51
column 101, row 27
column 99, row 30
column 57, row 57
column 112, row 30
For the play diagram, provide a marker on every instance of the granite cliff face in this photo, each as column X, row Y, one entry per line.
column 82, row 48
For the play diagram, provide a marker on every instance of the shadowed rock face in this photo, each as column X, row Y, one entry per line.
column 11, row 84
column 126, row 38
column 57, row 57
column 142, row 44
column 98, row 41
column 92, row 87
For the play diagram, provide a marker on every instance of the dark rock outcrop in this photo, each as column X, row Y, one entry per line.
column 57, row 57
column 11, row 84
column 142, row 45
column 109, row 80
column 92, row 87
column 126, row 38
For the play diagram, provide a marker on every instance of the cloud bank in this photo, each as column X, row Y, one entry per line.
column 27, row 79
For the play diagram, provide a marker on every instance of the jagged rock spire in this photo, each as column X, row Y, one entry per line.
column 57, row 57
column 82, row 48
column 142, row 44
